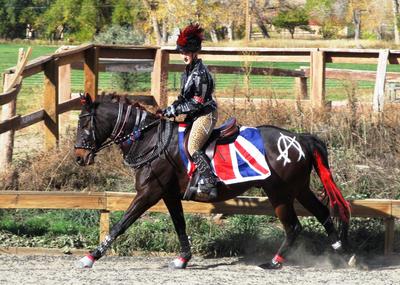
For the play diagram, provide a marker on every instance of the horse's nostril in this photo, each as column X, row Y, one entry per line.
column 79, row 160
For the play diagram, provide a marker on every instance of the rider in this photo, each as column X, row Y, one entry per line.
column 197, row 102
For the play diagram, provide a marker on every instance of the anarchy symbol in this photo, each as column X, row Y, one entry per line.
column 284, row 144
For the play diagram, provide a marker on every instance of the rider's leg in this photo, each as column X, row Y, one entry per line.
column 199, row 134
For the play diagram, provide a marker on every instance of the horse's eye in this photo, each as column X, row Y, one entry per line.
column 87, row 132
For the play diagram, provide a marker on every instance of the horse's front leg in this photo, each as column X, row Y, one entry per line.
column 142, row 202
column 173, row 202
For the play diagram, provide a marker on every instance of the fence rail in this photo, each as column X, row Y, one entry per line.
column 106, row 202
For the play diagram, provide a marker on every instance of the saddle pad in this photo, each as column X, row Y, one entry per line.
column 240, row 161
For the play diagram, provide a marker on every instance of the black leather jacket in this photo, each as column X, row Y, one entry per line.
column 197, row 89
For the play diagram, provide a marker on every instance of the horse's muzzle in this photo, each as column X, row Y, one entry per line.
column 84, row 157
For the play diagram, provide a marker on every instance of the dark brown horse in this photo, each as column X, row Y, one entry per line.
column 150, row 145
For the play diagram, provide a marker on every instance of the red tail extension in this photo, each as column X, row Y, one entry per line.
column 335, row 196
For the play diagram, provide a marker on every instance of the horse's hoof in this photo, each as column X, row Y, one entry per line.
column 85, row 262
column 352, row 261
column 178, row 263
column 271, row 265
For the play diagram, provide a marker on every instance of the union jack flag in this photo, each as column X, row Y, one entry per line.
column 240, row 161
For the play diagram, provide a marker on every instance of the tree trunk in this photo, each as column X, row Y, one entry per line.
column 357, row 24
column 263, row 29
column 291, row 31
column 153, row 17
column 229, row 28
column 213, row 35
column 396, row 21
column 164, row 32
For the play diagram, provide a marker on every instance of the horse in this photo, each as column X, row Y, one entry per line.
column 149, row 144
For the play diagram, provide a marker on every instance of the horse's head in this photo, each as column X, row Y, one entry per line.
column 85, row 143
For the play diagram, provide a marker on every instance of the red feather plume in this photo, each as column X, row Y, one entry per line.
column 190, row 31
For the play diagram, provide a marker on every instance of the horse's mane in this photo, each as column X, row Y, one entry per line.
column 115, row 98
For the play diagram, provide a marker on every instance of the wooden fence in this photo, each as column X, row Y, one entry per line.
column 57, row 99
column 106, row 202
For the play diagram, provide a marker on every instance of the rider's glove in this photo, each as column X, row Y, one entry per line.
column 170, row 111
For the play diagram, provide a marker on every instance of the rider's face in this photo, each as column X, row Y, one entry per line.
column 188, row 57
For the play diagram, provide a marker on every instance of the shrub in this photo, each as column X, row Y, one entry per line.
column 124, row 81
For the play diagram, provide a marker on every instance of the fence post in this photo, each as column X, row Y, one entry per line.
column 7, row 139
column 317, row 75
column 50, row 105
column 91, row 70
column 10, row 110
column 104, row 224
column 301, row 88
column 159, row 78
column 389, row 235
column 379, row 91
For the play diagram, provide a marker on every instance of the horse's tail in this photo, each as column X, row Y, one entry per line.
column 321, row 165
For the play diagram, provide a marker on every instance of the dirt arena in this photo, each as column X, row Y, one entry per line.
column 41, row 269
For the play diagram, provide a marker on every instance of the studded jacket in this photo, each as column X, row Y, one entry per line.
column 197, row 88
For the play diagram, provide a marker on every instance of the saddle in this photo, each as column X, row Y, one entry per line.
column 225, row 134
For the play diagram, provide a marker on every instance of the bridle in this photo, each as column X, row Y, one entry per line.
column 116, row 136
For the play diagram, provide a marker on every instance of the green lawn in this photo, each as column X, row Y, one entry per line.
column 284, row 86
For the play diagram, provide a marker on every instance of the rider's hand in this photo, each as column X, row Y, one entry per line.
column 169, row 111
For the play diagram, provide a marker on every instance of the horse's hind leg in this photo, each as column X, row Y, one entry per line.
column 291, row 224
column 173, row 202
column 309, row 201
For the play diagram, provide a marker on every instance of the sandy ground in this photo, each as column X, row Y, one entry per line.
column 28, row 269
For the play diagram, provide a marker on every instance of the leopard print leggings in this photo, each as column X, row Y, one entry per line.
column 201, row 131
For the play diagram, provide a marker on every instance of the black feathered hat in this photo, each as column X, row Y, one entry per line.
column 189, row 40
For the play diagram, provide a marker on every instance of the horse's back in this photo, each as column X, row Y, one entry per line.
column 287, row 153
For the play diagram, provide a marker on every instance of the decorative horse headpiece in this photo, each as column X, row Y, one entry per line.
column 189, row 40
column 85, row 100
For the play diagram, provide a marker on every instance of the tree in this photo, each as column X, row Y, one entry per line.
column 290, row 19
column 330, row 14
column 16, row 14
column 395, row 8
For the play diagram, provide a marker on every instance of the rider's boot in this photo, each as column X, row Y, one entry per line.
column 207, row 187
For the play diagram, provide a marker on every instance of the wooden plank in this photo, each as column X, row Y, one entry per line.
column 379, row 91
column 251, row 58
column 317, row 73
column 51, row 200
column 389, row 236
column 350, row 74
column 72, row 104
column 67, row 51
column 104, row 224
column 30, row 119
column 118, row 201
column 50, row 105
column 10, row 95
column 10, row 124
column 126, row 52
column 396, row 209
column 159, row 78
column 351, row 56
column 33, row 66
column 240, row 70
column 371, row 208
column 73, row 58
column 91, row 70
column 245, row 50
column 22, row 61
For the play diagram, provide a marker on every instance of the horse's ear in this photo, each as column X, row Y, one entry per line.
column 86, row 100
